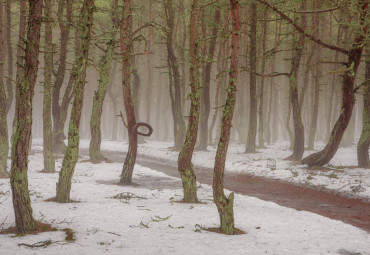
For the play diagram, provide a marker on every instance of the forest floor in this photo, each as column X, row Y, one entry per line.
column 146, row 219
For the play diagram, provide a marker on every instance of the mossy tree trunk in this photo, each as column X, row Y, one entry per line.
column 206, row 83
column 364, row 142
column 224, row 204
column 49, row 162
column 175, row 78
column 105, row 65
column 58, row 114
column 185, row 166
column 18, row 178
column 9, row 86
column 298, row 145
column 20, row 54
column 4, row 142
column 126, row 44
column 80, row 64
column 252, row 129
column 348, row 100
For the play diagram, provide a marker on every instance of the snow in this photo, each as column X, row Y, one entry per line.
column 155, row 223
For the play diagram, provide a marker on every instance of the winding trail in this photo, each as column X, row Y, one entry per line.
column 352, row 211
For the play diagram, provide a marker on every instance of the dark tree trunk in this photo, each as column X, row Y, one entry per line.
column 185, row 166
column 58, row 130
column 18, row 177
column 252, row 130
column 348, row 100
column 126, row 52
column 79, row 67
column 364, row 142
column 8, row 33
column 4, row 142
column 98, row 100
column 298, row 147
column 206, row 82
column 174, row 79
column 49, row 162
column 224, row 204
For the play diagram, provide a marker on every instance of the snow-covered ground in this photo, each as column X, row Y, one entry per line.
column 153, row 223
column 336, row 177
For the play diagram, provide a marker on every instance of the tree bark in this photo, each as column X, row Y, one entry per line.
column 206, row 81
column 8, row 33
column 80, row 64
column 126, row 52
column 364, row 142
column 224, row 204
column 348, row 100
column 49, row 162
column 105, row 65
column 19, row 168
column 252, row 130
column 298, row 147
column 4, row 141
column 185, row 166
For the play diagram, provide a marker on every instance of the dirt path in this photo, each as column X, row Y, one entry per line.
column 349, row 210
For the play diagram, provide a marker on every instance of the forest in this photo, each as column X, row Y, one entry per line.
column 141, row 127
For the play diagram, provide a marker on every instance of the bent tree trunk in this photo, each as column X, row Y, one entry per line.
column 80, row 64
column 224, row 204
column 98, row 100
column 132, row 126
column 298, row 147
column 348, row 99
column 364, row 142
column 185, row 167
column 4, row 143
column 25, row 91
column 49, row 162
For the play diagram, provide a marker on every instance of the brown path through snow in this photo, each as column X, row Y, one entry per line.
column 335, row 206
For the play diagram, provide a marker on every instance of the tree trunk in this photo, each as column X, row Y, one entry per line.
column 80, row 64
column 261, row 140
column 58, row 131
column 252, row 130
column 49, row 162
column 298, row 147
column 18, row 177
column 185, row 167
column 126, row 52
column 224, row 204
column 8, row 33
column 175, row 80
column 206, row 81
column 98, row 100
column 348, row 100
column 4, row 141
column 364, row 142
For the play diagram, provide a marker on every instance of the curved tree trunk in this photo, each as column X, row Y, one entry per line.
column 4, row 142
column 18, row 178
column 98, row 100
column 185, row 167
column 49, row 162
column 80, row 64
column 252, row 130
column 348, row 100
column 298, row 147
column 364, row 142
column 224, row 204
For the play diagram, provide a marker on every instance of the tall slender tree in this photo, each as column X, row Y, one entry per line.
column 185, row 166
column 8, row 32
column 80, row 64
column 25, row 90
column 224, row 204
column 49, row 162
